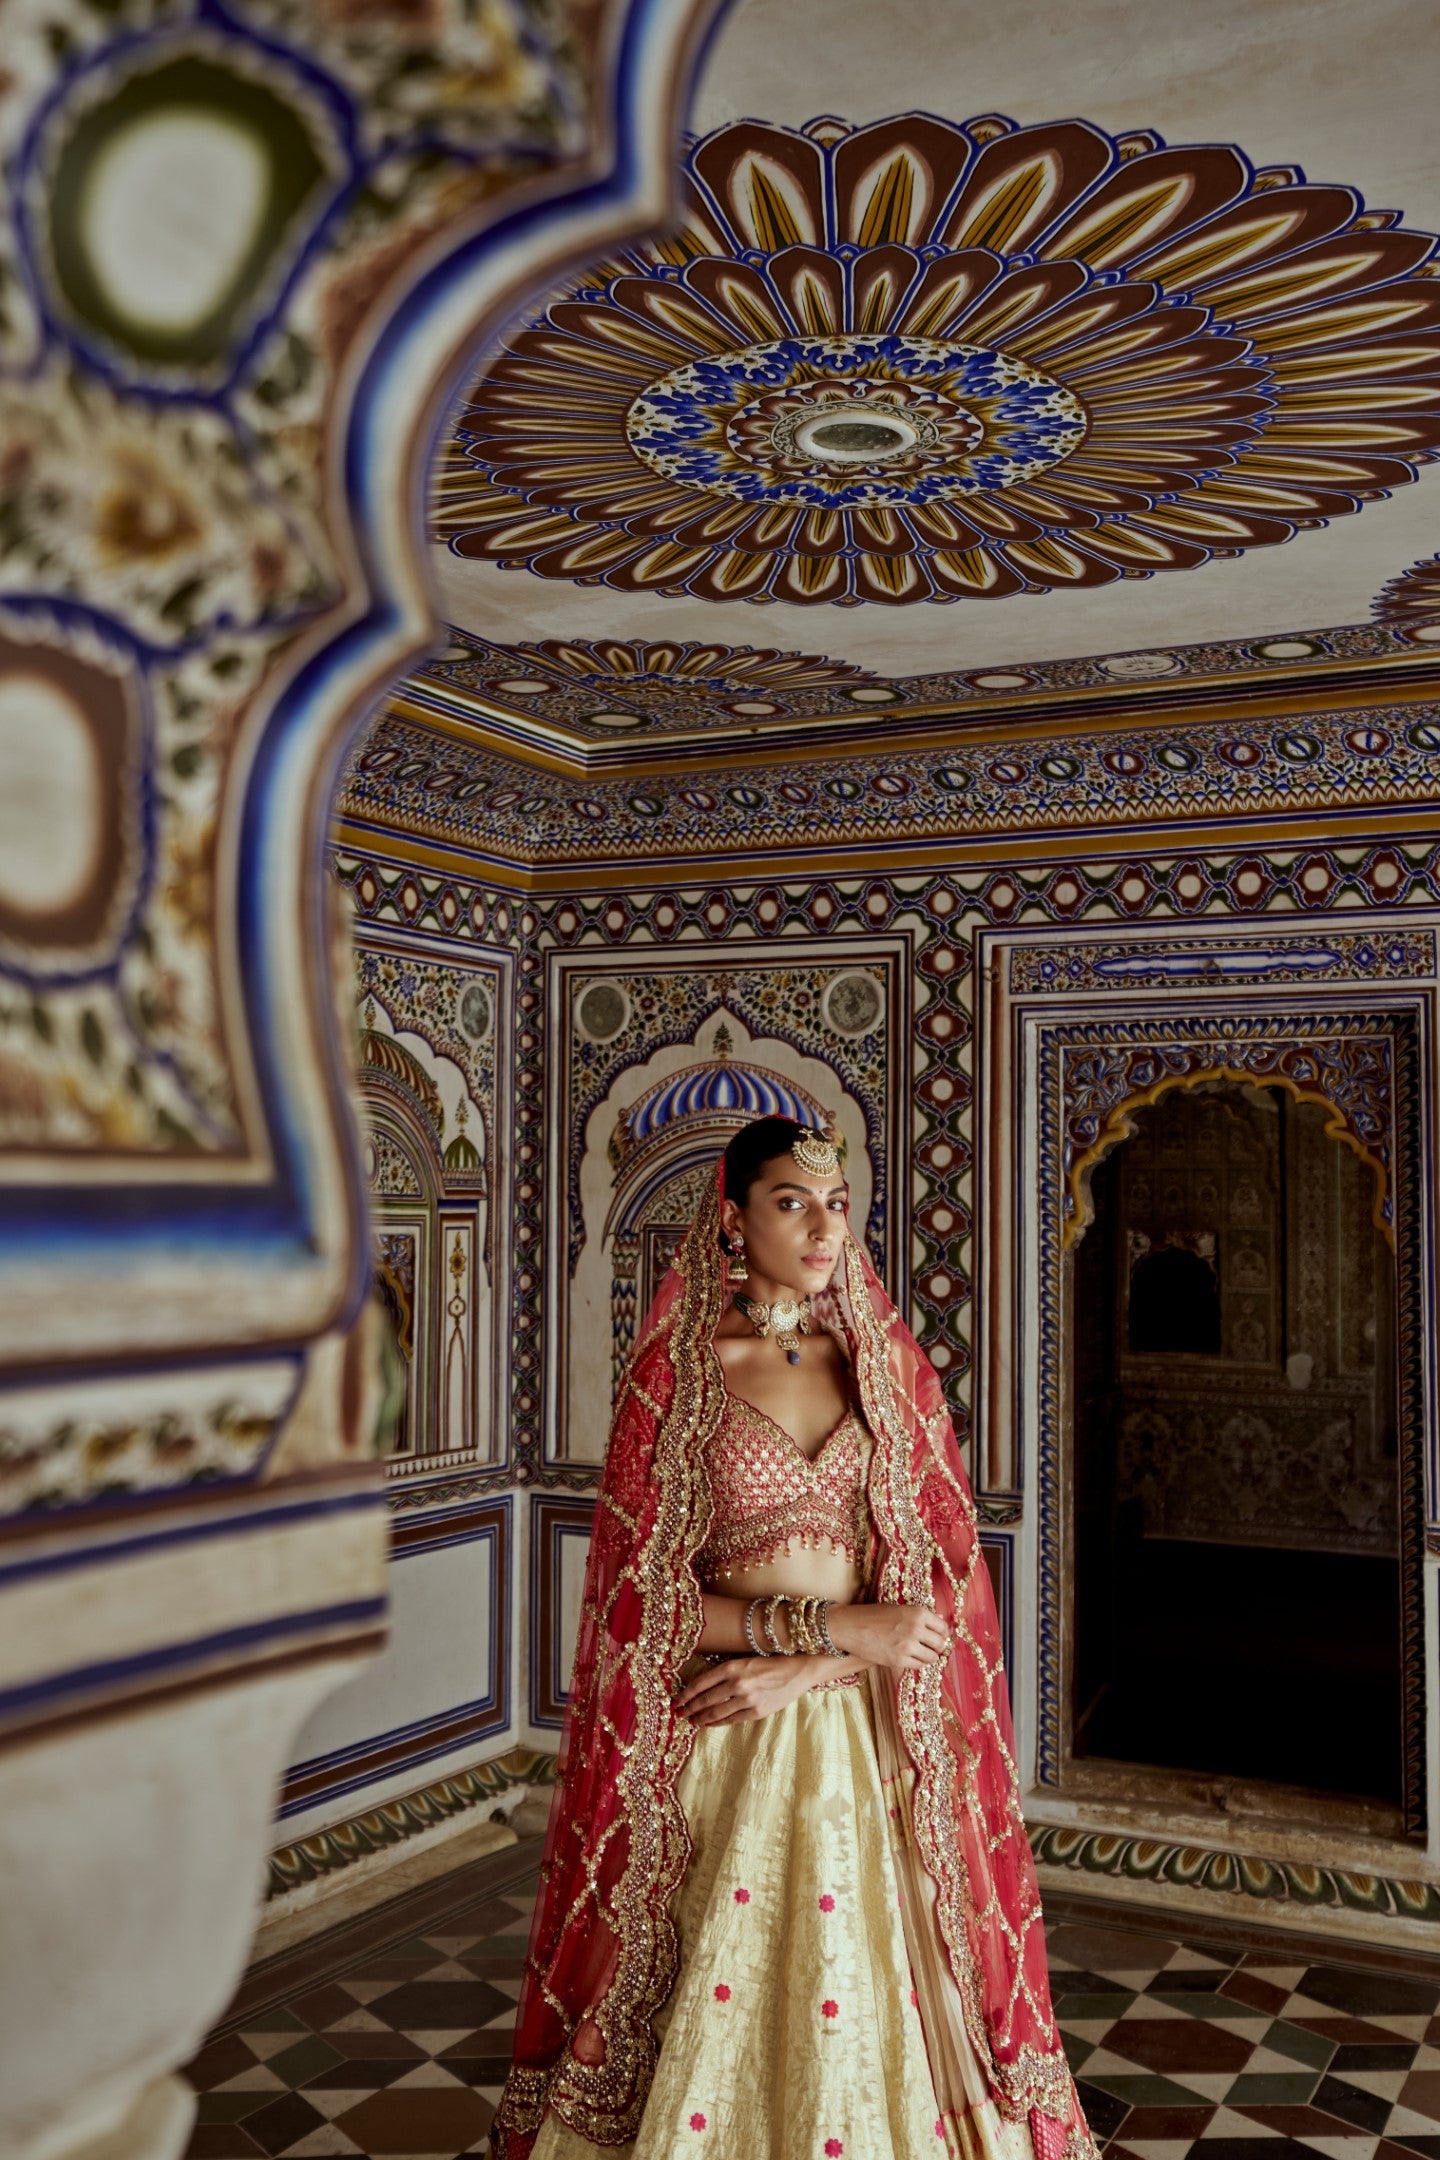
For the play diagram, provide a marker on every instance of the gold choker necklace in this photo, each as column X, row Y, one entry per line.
column 788, row 1319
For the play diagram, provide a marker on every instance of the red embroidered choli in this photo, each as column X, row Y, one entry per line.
column 765, row 1492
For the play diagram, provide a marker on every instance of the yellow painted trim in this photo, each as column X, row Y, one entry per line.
column 1313, row 688
column 1120, row 1125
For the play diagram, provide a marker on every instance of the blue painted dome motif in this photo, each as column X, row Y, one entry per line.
column 728, row 1091
column 720, row 1093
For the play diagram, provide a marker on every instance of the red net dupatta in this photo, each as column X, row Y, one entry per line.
column 603, row 1952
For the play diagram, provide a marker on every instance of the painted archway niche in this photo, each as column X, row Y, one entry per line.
column 1236, row 1478
column 428, row 1169
column 648, row 1149
column 1358, row 1115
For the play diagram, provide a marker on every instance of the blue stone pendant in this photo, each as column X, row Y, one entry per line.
column 793, row 1356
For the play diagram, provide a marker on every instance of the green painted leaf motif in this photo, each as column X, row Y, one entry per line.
column 171, row 273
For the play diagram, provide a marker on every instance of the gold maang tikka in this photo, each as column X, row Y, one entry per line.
column 817, row 1153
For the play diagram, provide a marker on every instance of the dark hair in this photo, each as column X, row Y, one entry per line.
column 752, row 1147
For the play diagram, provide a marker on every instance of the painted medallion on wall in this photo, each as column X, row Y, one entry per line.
column 925, row 361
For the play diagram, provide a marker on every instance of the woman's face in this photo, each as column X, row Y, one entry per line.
column 793, row 1224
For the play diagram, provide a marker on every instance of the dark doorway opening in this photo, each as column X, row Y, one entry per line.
column 1236, row 1499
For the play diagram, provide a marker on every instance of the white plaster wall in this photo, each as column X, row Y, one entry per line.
column 438, row 1656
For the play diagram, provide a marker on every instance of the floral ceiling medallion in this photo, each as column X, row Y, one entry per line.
column 849, row 421
column 925, row 361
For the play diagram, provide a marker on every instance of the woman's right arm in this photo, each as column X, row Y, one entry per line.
column 900, row 1636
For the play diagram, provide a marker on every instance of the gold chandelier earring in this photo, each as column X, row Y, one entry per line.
column 739, row 1272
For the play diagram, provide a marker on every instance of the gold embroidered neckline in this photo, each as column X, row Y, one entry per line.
column 810, row 1461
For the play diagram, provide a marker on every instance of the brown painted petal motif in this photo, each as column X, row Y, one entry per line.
column 1412, row 602
column 924, row 361
column 613, row 665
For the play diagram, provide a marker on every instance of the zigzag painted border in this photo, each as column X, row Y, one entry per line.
column 409, row 782
column 326, row 1851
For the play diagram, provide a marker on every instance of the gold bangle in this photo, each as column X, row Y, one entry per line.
column 767, row 1622
column 802, row 1623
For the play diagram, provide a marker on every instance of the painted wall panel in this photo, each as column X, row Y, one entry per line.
column 625, row 1003
column 436, row 1694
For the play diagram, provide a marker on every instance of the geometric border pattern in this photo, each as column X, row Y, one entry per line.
column 410, row 780
column 629, row 715
column 325, row 1852
column 1198, row 1867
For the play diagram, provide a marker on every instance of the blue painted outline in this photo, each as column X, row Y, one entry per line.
column 276, row 1224
column 545, row 1657
column 1408, row 1008
column 111, row 1675
column 487, row 1724
column 492, row 1709
column 1004, row 1542
column 270, row 1516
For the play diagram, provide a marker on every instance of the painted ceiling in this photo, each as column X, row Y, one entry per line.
column 923, row 362
column 1123, row 323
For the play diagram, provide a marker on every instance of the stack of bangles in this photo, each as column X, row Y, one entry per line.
column 809, row 1619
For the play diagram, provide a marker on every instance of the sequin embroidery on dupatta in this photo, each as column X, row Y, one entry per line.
column 604, row 1956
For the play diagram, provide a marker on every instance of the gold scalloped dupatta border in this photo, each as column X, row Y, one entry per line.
column 948, row 1754
column 604, row 1954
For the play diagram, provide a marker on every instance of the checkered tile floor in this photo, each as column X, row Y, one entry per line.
column 391, row 2036
column 1179, row 2041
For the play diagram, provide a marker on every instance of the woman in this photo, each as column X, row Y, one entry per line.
column 788, row 1908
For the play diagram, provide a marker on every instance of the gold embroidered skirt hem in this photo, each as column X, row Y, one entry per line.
column 793, row 2031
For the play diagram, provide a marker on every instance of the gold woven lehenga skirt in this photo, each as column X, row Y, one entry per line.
column 793, row 2031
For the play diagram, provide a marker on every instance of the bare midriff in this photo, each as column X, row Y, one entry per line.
column 795, row 1570
column 799, row 1570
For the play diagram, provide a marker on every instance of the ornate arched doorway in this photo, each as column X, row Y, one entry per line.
column 1236, row 1488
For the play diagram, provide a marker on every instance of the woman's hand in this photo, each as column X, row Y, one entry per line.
column 902, row 1637
column 749, row 1687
